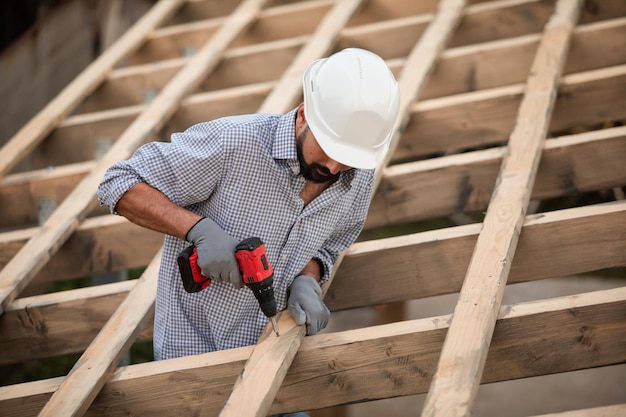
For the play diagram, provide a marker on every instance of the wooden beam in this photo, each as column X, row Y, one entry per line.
column 268, row 364
column 436, row 125
column 504, row 62
column 430, row 129
column 464, row 182
column 462, row 69
column 59, row 323
column 486, row 118
column 576, row 163
column 607, row 411
column 100, row 244
column 269, row 54
column 364, row 364
column 419, row 65
column 552, row 244
column 66, row 218
column 460, row 368
column 293, row 20
column 288, row 91
column 48, row 118
column 257, row 385
column 96, row 365
column 481, row 23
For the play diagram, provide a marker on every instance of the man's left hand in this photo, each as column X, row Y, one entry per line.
column 306, row 305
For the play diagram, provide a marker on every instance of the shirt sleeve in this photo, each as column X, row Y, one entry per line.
column 344, row 236
column 186, row 170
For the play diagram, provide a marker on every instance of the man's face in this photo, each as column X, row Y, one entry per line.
column 315, row 165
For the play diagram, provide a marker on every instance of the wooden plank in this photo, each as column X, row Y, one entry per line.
column 474, row 119
column 48, row 118
column 267, row 366
column 293, row 20
column 59, row 323
column 459, row 70
column 570, row 164
column 419, row 65
column 482, row 22
column 288, row 91
column 553, row 244
column 96, row 365
column 504, row 62
column 270, row 61
column 560, row 243
column 486, row 118
column 460, row 368
column 464, row 182
column 607, row 411
column 65, row 219
column 126, row 86
column 100, row 244
column 364, row 364
column 257, row 385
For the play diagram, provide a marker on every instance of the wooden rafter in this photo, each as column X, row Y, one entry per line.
column 65, row 219
column 98, row 362
column 268, row 364
column 459, row 372
column 39, row 126
column 36, row 327
column 469, row 77
column 354, row 360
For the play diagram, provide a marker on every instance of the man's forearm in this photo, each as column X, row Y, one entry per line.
column 150, row 208
column 313, row 269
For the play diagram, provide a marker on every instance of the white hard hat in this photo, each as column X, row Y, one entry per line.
column 351, row 102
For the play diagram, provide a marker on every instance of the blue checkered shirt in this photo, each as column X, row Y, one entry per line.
column 242, row 172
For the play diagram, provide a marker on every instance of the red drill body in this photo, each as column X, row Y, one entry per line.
column 256, row 271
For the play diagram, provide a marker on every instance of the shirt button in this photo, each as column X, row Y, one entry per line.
column 283, row 258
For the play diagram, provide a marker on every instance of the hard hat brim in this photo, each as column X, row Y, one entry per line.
column 348, row 155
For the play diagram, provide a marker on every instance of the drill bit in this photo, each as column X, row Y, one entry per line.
column 275, row 325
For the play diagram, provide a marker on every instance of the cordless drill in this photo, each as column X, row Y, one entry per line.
column 256, row 271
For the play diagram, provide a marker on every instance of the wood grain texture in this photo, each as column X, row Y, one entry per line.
column 552, row 244
column 49, row 117
column 66, row 218
column 364, row 364
column 96, row 365
column 460, row 368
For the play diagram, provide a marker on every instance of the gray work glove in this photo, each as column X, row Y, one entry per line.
column 306, row 305
column 216, row 252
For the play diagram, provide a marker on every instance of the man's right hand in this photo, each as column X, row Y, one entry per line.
column 216, row 252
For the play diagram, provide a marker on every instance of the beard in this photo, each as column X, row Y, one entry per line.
column 312, row 172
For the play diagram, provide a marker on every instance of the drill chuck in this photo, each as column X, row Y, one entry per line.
column 264, row 293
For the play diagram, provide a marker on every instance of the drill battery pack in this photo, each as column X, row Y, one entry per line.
column 190, row 272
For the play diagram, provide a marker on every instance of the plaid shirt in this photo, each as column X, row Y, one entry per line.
column 243, row 173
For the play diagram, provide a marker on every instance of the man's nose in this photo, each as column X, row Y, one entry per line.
column 333, row 166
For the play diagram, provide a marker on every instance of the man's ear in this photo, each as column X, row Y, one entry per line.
column 300, row 117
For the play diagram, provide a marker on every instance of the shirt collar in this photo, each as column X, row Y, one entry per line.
column 284, row 146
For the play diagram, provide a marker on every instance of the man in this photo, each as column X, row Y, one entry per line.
column 302, row 182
